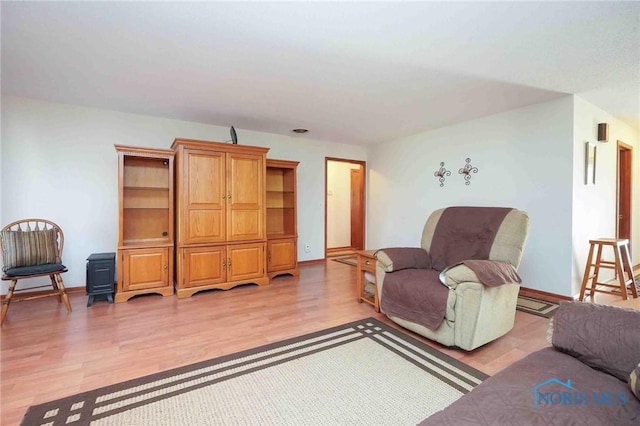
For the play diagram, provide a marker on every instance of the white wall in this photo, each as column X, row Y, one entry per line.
column 594, row 206
column 1, row 138
column 58, row 162
column 524, row 159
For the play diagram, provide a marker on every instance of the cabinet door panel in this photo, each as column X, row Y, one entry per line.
column 145, row 268
column 245, row 261
column 281, row 255
column 205, row 172
column 245, row 225
column 246, row 201
column 205, row 226
column 245, row 180
column 203, row 266
column 205, row 202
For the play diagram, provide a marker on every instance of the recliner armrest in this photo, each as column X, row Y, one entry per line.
column 454, row 275
column 398, row 258
column 493, row 273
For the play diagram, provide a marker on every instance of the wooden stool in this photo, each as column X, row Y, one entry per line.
column 621, row 265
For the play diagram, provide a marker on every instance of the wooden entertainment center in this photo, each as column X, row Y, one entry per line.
column 234, row 221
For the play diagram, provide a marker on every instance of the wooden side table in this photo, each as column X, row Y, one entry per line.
column 367, row 265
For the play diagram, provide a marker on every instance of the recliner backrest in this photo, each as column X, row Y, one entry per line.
column 507, row 245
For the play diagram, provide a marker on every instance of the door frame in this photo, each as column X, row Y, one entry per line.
column 620, row 173
column 363, row 168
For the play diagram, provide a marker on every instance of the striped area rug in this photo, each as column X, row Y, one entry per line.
column 364, row 372
column 538, row 307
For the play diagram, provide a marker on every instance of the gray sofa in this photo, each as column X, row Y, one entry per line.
column 582, row 379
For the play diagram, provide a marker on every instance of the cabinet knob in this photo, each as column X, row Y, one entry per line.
column 229, row 263
column 367, row 262
column 165, row 267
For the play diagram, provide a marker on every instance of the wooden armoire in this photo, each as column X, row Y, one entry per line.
column 221, row 232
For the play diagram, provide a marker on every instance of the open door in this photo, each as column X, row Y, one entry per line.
column 623, row 210
column 344, row 206
column 357, row 209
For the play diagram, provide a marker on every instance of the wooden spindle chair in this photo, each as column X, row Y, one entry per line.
column 32, row 248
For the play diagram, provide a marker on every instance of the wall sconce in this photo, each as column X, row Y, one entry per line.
column 603, row 132
column 467, row 170
column 441, row 173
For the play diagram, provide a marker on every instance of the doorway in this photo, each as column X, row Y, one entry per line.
column 624, row 191
column 344, row 216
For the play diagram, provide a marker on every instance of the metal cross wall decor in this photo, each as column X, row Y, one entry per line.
column 441, row 173
column 467, row 170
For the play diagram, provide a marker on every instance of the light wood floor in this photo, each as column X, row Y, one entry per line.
column 47, row 354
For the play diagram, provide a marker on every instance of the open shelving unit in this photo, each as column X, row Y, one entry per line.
column 146, row 200
column 281, row 202
column 145, row 235
column 282, row 234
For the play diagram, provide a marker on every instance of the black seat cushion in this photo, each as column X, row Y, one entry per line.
column 34, row 270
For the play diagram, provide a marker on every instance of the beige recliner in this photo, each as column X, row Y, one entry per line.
column 473, row 253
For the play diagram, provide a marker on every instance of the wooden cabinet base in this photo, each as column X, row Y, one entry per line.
column 282, row 257
column 123, row 297
column 295, row 272
column 144, row 270
column 190, row 291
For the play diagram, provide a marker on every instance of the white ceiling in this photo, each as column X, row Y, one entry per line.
column 352, row 72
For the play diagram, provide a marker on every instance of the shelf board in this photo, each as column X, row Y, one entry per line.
column 147, row 188
column 279, row 235
column 145, row 208
column 146, row 242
